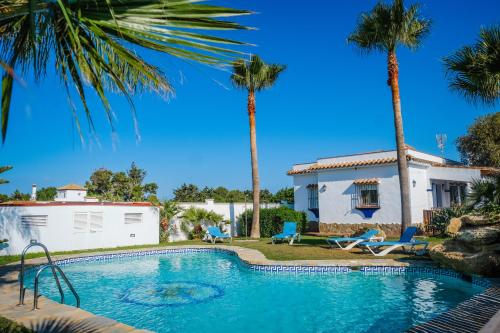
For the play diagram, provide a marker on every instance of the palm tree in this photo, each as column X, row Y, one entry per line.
column 474, row 71
column 92, row 42
column 384, row 29
column 2, row 170
column 254, row 76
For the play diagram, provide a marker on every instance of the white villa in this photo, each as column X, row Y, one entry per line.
column 364, row 188
column 74, row 221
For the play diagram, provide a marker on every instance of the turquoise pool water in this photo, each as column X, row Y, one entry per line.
column 215, row 292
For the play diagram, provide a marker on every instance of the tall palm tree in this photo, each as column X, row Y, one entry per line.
column 384, row 29
column 93, row 43
column 254, row 76
column 474, row 71
column 2, row 170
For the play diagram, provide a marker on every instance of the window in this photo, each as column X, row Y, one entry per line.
column 312, row 196
column 367, row 196
column 80, row 221
column 96, row 221
column 457, row 194
column 133, row 218
column 28, row 221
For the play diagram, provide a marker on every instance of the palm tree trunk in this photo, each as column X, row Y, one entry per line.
column 404, row 182
column 255, row 232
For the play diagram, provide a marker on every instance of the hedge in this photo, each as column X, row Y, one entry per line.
column 271, row 220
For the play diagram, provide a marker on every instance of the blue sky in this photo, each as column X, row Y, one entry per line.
column 331, row 100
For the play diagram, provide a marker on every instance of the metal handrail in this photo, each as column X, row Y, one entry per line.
column 22, row 290
column 70, row 286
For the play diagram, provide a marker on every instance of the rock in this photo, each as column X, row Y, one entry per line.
column 473, row 220
column 454, row 226
column 479, row 235
column 485, row 262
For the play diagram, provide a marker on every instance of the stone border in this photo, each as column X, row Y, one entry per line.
column 253, row 259
column 473, row 315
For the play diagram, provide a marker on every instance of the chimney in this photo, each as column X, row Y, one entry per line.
column 33, row 192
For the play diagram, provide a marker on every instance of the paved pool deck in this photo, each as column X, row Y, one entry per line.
column 83, row 320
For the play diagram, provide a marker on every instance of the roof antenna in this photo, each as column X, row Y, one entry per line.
column 441, row 143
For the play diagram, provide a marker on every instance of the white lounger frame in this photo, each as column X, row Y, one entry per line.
column 292, row 238
column 353, row 244
column 213, row 239
column 402, row 245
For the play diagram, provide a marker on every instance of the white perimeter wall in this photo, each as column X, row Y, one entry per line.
column 230, row 211
column 59, row 233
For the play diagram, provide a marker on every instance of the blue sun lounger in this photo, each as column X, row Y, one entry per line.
column 214, row 233
column 289, row 233
column 370, row 235
column 406, row 240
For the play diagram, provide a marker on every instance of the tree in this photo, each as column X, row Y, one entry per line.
column 187, row 193
column 92, row 42
column 2, row 170
column 284, row 194
column 481, row 145
column 193, row 219
column 254, row 76
column 474, row 71
column 169, row 210
column 19, row 196
column 121, row 186
column 46, row 193
column 384, row 29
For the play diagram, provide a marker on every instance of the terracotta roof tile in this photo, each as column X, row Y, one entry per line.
column 388, row 160
column 75, row 187
column 340, row 165
column 366, row 181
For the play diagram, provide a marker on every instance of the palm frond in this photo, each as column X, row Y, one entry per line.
column 94, row 44
column 474, row 71
column 2, row 170
column 386, row 27
column 256, row 74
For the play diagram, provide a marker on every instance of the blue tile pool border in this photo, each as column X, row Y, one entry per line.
column 276, row 268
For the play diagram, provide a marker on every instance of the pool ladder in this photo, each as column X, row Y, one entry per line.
column 55, row 268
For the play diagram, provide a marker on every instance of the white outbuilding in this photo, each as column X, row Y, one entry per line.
column 74, row 221
column 343, row 192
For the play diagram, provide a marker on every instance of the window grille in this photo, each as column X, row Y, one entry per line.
column 28, row 221
column 131, row 218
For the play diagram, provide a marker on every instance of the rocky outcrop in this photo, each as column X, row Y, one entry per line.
column 454, row 227
column 474, row 248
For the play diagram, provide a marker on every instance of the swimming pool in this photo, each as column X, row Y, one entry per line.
column 214, row 291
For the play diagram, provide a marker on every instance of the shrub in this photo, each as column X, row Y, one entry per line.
column 271, row 220
column 442, row 218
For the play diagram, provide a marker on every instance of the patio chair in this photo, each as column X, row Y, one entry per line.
column 214, row 233
column 289, row 233
column 369, row 235
column 406, row 240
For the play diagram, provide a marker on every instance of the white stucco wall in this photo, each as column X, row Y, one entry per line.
column 420, row 197
column 336, row 204
column 230, row 211
column 71, row 195
column 300, row 194
column 60, row 234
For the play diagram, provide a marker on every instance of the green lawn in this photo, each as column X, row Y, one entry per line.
column 310, row 247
